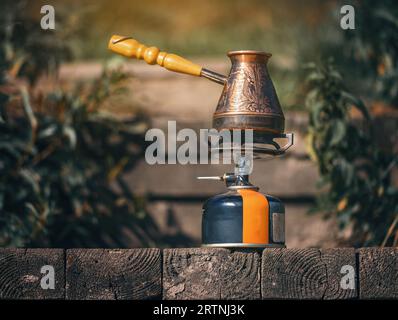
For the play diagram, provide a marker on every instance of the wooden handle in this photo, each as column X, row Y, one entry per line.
column 131, row 48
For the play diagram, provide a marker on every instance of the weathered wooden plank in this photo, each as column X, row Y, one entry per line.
column 241, row 275
column 341, row 269
column 20, row 273
column 293, row 274
column 125, row 274
column 199, row 273
column 378, row 273
column 305, row 273
column 204, row 273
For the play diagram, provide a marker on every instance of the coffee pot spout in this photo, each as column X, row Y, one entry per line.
column 130, row 48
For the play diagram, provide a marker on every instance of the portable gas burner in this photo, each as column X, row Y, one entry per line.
column 242, row 216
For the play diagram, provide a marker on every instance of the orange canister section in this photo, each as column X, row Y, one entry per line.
column 255, row 217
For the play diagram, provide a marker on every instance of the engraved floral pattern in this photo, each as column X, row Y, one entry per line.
column 249, row 89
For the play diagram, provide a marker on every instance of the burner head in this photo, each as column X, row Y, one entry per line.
column 259, row 144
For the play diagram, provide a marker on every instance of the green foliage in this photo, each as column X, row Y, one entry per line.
column 56, row 170
column 27, row 48
column 61, row 157
column 354, row 171
column 373, row 48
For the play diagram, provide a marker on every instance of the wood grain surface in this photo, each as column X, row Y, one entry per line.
column 20, row 273
column 201, row 273
column 305, row 273
column 198, row 273
column 378, row 273
column 335, row 259
column 123, row 274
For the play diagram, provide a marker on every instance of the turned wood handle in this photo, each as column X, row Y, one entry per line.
column 131, row 48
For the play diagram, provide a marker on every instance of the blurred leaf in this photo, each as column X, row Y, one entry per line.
column 355, row 172
column 339, row 132
column 357, row 103
column 59, row 153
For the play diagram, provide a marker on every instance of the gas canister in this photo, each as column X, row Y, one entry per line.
column 242, row 216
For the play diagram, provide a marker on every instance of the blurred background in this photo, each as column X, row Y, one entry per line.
column 73, row 117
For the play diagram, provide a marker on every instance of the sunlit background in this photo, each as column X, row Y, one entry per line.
column 74, row 115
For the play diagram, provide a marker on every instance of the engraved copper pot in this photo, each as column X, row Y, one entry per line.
column 249, row 100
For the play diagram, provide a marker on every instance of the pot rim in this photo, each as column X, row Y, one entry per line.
column 250, row 52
